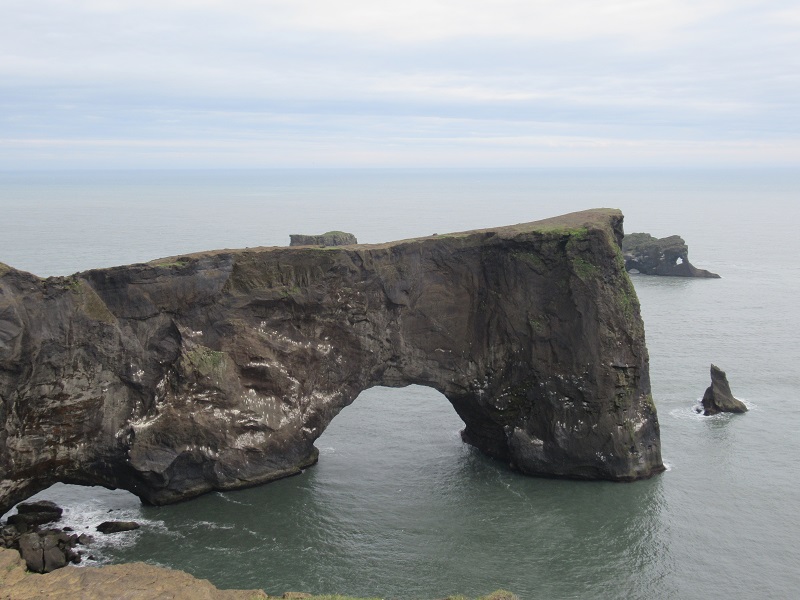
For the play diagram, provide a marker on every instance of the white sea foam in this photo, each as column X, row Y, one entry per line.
column 225, row 496
column 86, row 507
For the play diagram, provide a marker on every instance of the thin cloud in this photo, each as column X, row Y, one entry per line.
column 398, row 82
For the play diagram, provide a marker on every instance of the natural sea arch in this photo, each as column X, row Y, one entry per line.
column 220, row 370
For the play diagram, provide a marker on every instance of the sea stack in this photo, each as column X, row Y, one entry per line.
column 718, row 397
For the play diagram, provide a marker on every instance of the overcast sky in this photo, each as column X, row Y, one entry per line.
column 415, row 83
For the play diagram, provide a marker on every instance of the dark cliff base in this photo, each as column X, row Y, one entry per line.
column 218, row 370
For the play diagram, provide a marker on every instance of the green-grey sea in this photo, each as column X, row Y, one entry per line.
column 398, row 506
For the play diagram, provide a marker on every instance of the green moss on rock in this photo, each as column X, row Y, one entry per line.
column 93, row 305
column 177, row 263
column 207, row 362
column 583, row 268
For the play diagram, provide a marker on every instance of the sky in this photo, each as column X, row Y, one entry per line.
column 418, row 83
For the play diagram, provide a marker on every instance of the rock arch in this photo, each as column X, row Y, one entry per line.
column 219, row 370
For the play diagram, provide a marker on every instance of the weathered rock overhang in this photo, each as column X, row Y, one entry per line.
column 219, row 370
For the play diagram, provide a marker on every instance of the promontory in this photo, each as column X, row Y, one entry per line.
column 219, row 370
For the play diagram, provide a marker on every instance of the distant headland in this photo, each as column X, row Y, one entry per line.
column 667, row 256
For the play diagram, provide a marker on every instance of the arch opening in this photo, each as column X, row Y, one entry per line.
column 390, row 422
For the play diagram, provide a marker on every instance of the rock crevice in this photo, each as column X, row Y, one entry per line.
column 219, row 370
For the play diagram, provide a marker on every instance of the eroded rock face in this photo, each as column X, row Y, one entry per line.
column 219, row 370
column 718, row 396
column 667, row 256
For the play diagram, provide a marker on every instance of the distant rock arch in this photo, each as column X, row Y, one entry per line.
column 667, row 256
column 219, row 370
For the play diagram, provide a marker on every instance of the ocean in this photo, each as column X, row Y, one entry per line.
column 398, row 507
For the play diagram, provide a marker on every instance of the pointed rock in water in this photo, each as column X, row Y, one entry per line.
column 718, row 397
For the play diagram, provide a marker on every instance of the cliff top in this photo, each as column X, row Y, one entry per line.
column 603, row 218
column 598, row 218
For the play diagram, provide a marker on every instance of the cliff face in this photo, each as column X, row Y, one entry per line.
column 219, row 370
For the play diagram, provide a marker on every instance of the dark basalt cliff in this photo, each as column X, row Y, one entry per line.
column 219, row 370
column 667, row 256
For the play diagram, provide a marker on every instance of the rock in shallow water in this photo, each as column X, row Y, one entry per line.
column 31, row 514
column 219, row 370
column 117, row 526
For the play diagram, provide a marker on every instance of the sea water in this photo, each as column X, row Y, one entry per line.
column 398, row 506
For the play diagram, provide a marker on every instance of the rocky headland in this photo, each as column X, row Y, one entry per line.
column 219, row 370
column 667, row 256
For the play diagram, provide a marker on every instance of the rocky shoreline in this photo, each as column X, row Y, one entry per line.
column 45, row 545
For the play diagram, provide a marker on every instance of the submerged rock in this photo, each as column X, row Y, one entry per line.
column 667, row 256
column 330, row 238
column 718, row 396
column 219, row 370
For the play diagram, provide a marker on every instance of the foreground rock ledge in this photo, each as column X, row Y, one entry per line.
column 218, row 370
column 133, row 581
